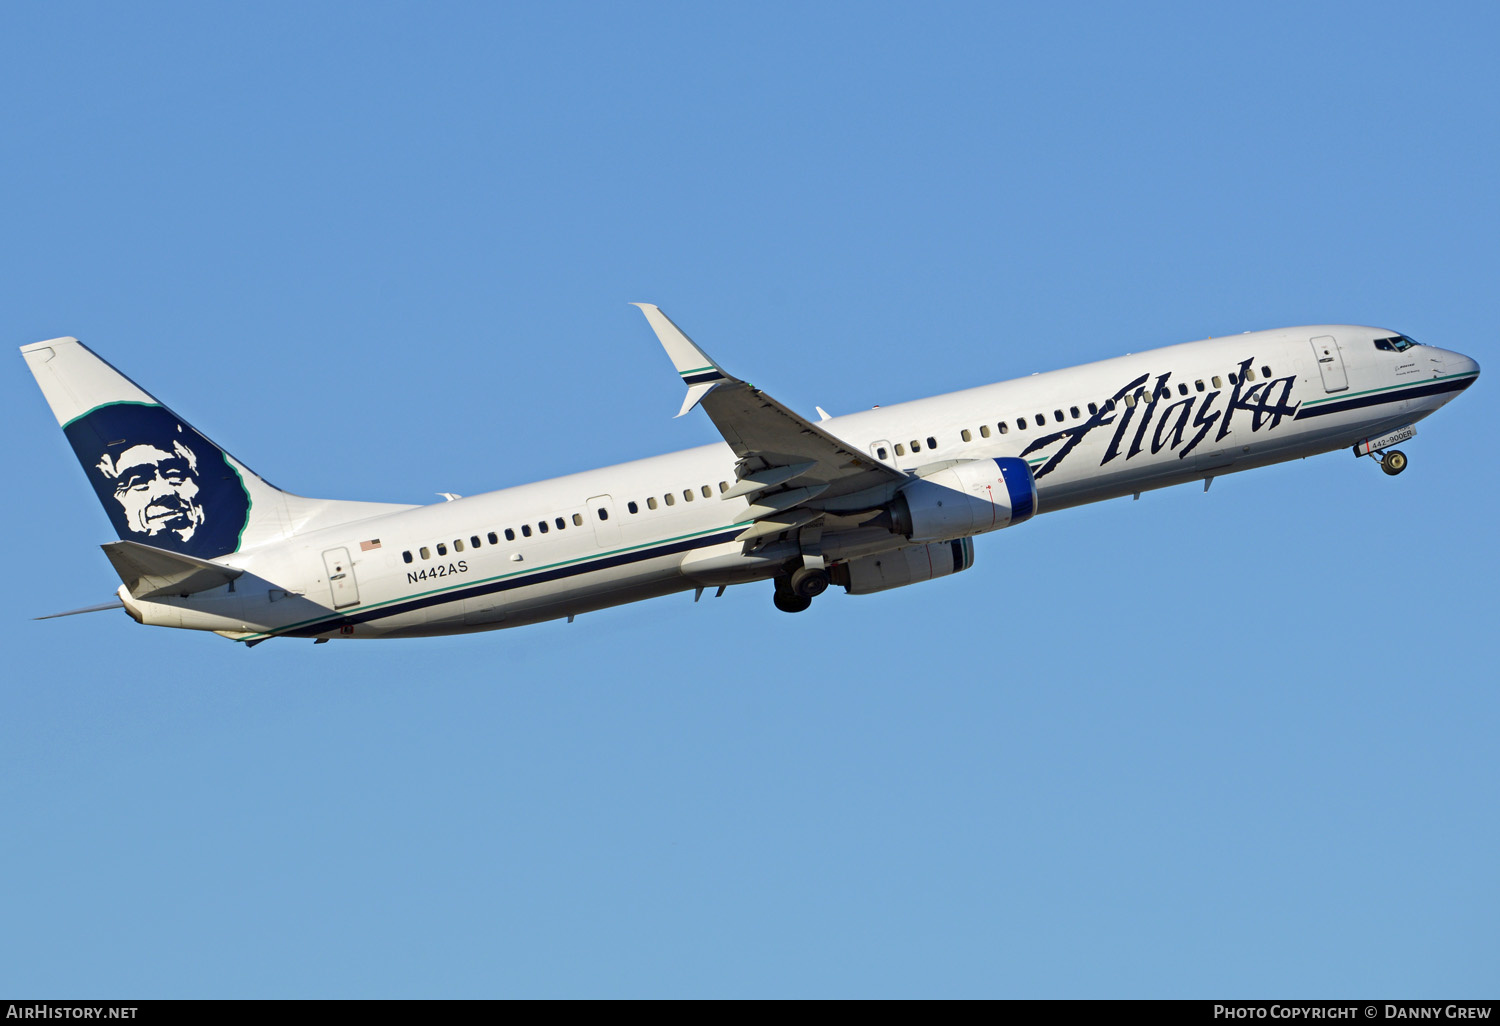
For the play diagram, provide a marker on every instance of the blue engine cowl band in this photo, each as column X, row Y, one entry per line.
column 1021, row 485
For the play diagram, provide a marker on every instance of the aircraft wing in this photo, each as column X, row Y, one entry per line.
column 786, row 461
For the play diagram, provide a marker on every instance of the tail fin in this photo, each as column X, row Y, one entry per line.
column 162, row 482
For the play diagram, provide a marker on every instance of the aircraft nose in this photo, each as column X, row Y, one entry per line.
column 1458, row 364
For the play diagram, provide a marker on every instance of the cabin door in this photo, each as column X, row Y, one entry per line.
column 601, row 513
column 1330, row 363
column 341, row 578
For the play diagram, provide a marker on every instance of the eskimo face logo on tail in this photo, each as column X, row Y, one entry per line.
column 161, row 482
column 158, row 490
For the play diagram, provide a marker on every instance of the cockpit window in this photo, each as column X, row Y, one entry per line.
column 1396, row 343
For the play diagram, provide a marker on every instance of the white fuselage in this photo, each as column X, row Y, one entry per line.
column 653, row 526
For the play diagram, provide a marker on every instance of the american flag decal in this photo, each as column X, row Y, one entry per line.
column 366, row 546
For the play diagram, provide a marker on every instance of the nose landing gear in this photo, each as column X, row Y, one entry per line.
column 1392, row 461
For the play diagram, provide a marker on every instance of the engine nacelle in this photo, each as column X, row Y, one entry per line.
column 907, row 565
column 966, row 499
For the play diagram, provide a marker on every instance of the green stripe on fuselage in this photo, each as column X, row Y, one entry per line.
column 1387, row 388
column 498, row 577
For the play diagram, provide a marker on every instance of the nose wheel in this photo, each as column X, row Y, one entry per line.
column 1393, row 461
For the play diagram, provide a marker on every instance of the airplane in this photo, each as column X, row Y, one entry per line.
column 870, row 501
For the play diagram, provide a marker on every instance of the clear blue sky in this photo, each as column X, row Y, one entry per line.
column 1235, row 745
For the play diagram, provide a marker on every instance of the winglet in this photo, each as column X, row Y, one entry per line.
column 699, row 373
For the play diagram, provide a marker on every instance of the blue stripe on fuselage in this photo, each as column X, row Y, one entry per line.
column 1381, row 398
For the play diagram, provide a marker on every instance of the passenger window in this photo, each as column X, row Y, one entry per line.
column 1218, row 381
column 724, row 485
column 474, row 541
column 1130, row 400
column 687, row 495
column 578, row 517
column 442, row 549
column 630, row 506
column 1020, row 424
column 1198, row 384
column 1074, row 411
column 707, row 491
column 1005, row 428
column 406, row 556
column 458, row 544
column 1040, row 420
column 1249, row 373
column 1265, row 372
column 916, row 446
column 1182, row 388
column 984, row 430
column 525, row 530
column 931, row 442
column 900, row 449
column 561, row 523
column 1233, row 380
column 966, row 435
column 1093, row 409
column 1057, row 416
column 671, row 499
column 603, row 513
column 651, row 502
column 425, row 552
column 510, row 534
column 493, row 539
column 542, row 526
column 880, row 453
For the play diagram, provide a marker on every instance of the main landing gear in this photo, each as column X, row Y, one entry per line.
column 795, row 591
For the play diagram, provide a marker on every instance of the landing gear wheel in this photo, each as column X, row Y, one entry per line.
column 809, row 582
column 1393, row 462
column 790, row 603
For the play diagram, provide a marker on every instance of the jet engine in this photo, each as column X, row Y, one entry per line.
column 900, row 567
column 965, row 499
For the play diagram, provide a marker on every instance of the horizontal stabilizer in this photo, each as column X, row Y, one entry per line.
column 116, row 604
column 149, row 572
